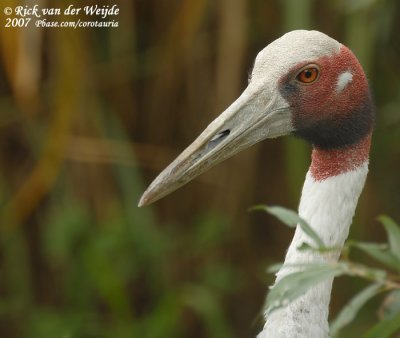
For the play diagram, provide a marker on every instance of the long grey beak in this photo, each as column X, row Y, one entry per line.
column 250, row 119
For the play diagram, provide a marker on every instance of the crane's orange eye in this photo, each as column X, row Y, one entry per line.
column 308, row 75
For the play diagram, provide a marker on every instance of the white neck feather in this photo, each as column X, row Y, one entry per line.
column 328, row 206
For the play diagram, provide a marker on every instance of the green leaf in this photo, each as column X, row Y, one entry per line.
column 385, row 328
column 348, row 313
column 297, row 283
column 274, row 268
column 377, row 275
column 307, row 247
column 391, row 305
column 378, row 252
column 393, row 232
column 291, row 219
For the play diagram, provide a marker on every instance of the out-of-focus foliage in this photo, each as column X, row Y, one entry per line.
column 307, row 275
column 89, row 116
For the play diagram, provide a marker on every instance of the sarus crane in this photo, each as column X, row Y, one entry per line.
column 309, row 85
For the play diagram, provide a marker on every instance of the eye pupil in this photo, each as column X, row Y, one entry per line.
column 307, row 73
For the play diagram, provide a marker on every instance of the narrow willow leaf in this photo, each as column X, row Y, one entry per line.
column 391, row 305
column 274, row 268
column 297, row 283
column 306, row 247
column 286, row 216
column 385, row 328
column 393, row 231
column 376, row 275
column 348, row 313
column 378, row 252
column 291, row 219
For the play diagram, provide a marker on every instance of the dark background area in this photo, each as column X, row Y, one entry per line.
column 88, row 117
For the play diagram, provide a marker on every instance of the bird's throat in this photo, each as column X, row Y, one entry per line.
column 328, row 202
column 332, row 162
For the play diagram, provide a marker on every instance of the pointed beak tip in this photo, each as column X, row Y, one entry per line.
column 143, row 201
column 148, row 197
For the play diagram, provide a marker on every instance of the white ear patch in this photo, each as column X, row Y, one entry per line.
column 343, row 80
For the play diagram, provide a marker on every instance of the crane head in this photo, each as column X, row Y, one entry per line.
column 304, row 83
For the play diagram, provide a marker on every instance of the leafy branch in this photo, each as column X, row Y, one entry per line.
column 307, row 275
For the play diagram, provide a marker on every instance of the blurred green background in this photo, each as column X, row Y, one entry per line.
column 89, row 117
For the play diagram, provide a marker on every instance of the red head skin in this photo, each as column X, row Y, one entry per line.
column 337, row 121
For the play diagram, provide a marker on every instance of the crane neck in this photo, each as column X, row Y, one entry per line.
column 329, row 198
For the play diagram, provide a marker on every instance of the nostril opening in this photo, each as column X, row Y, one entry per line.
column 217, row 138
column 221, row 135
